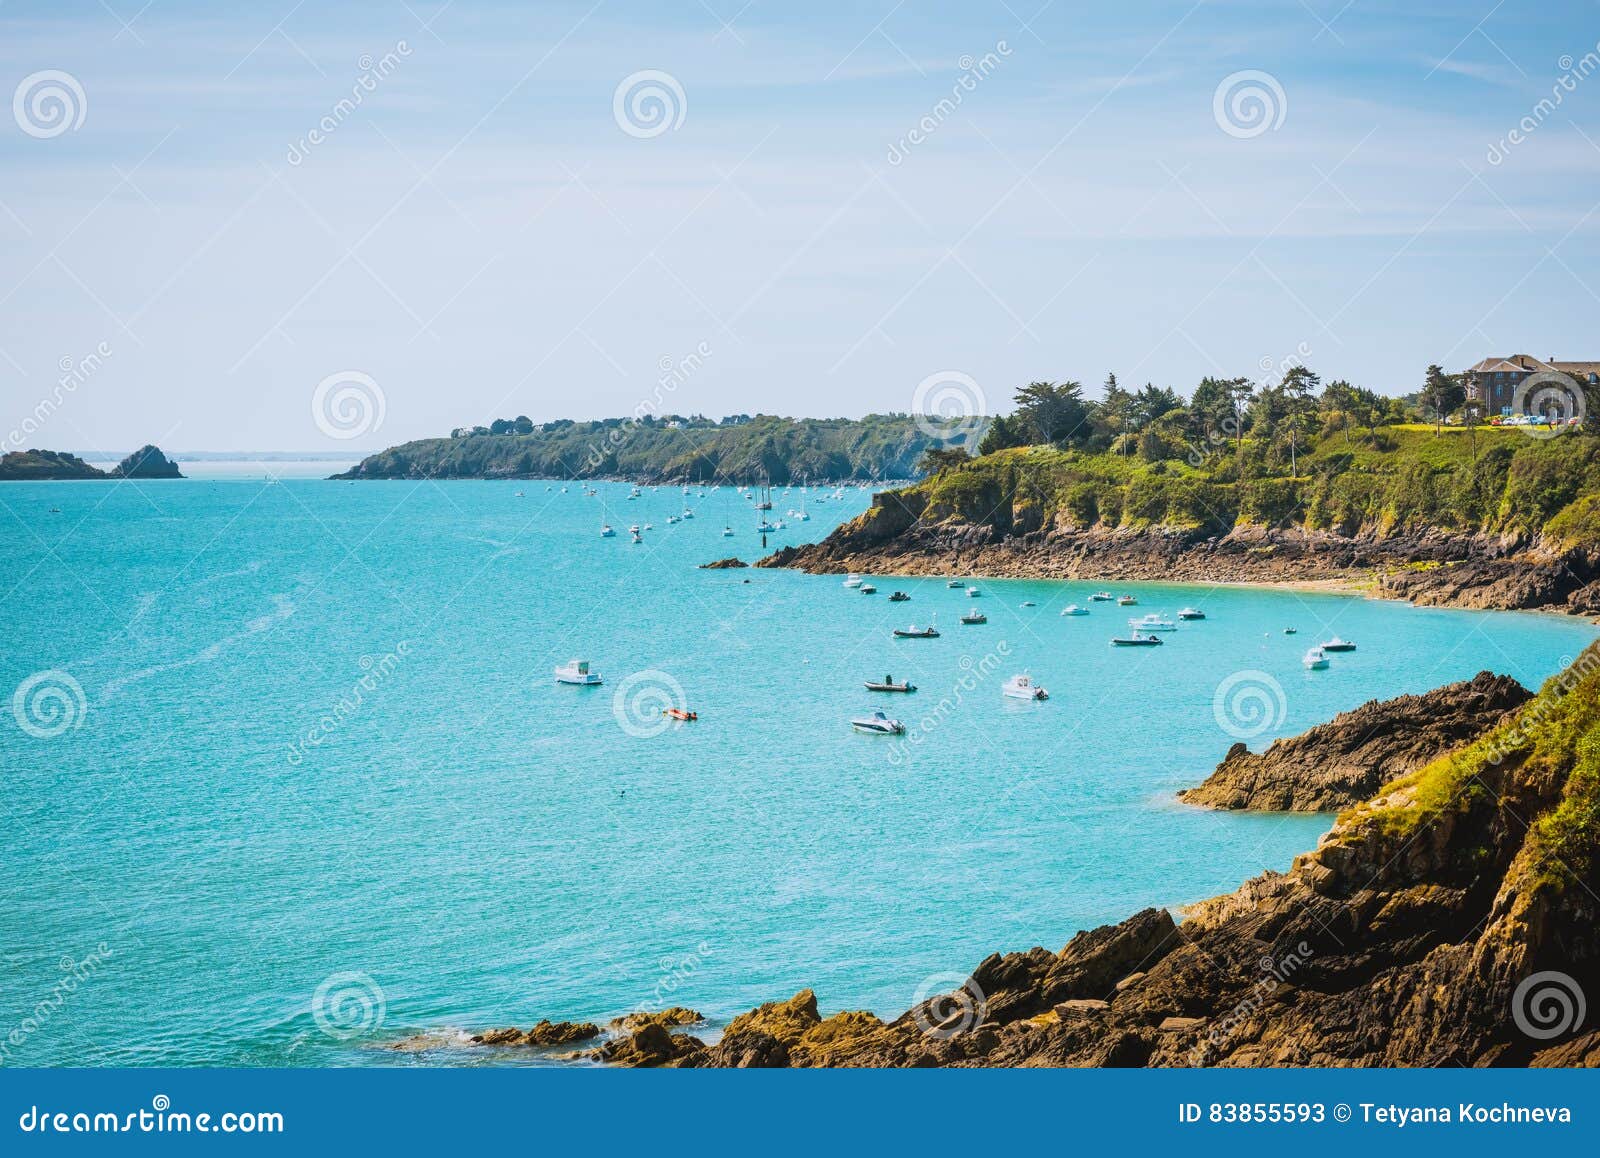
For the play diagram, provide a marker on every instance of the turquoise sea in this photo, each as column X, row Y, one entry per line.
column 286, row 775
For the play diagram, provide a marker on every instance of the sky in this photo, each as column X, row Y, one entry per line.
column 273, row 226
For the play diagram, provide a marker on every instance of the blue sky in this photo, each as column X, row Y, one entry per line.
column 480, row 235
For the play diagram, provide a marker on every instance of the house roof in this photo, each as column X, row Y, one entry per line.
column 1515, row 364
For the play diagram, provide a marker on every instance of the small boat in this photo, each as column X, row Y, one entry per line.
column 1337, row 644
column 1101, row 597
column 898, row 597
column 973, row 593
column 1029, row 603
column 1074, row 609
column 680, row 713
column 649, row 526
column 687, row 513
column 852, row 580
column 954, row 583
column 637, row 539
column 54, row 511
column 1126, row 601
column 671, row 519
column 1152, row 622
column 633, row 530
column 577, row 672
column 1316, row 659
column 521, row 495
column 1022, row 687
column 868, row 589
column 1290, row 630
column 879, row 724
column 765, row 528
column 974, row 617
column 1191, row 613
column 888, row 685
column 915, row 632
column 1137, row 640
column 605, row 531
column 727, row 532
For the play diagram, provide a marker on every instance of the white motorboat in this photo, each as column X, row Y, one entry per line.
column 852, row 580
column 577, row 672
column 973, row 593
column 1074, row 609
column 1022, row 687
column 687, row 513
column 727, row 532
column 954, row 583
column 1337, row 644
column 1152, row 622
column 878, row 724
column 605, row 531
column 1316, row 659
column 1191, row 613
column 1101, row 597
column 1126, row 600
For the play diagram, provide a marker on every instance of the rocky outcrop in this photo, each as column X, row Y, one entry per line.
column 1339, row 764
column 1453, row 919
column 146, row 462
column 900, row 535
column 671, row 1018
column 44, row 465
column 544, row 1034
column 723, row 564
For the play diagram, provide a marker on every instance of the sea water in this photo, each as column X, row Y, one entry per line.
column 287, row 777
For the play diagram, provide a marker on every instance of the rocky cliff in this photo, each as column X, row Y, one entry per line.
column 1449, row 920
column 55, row 465
column 1339, row 764
column 146, row 462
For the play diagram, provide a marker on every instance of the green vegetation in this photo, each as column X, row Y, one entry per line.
column 1339, row 459
column 672, row 448
column 26, row 465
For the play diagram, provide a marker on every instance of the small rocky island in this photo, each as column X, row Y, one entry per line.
column 54, row 465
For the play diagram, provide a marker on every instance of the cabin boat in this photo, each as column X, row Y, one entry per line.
column 1137, row 640
column 1074, row 609
column 577, row 671
column 973, row 593
column 954, row 583
column 888, row 685
column 727, row 532
column 1152, row 622
column 1337, row 644
column 868, row 589
column 606, row 532
column 1126, row 600
column 878, row 724
column 1191, row 613
column 1022, row 687
column 915, row 632
column 852, row 580
column 898, row 597
column 974, row 617
column 1290, row 630
column 1316, row 659
column 1101, row 597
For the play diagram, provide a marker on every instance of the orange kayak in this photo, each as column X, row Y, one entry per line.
column 680, row 714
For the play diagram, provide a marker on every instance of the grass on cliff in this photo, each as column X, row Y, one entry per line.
column 1399, row 480
column 1552, row 741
